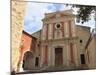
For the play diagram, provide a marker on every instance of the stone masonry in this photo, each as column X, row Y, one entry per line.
column 17, row 22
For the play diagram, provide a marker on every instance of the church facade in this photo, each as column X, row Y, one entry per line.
column 61, row 43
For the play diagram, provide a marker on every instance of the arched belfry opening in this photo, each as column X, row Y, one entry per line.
column 27, row 60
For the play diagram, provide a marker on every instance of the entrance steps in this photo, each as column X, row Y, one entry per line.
column 53, row 69
column 65, row 68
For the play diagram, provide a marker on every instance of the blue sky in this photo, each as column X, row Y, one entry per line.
column 35, row 13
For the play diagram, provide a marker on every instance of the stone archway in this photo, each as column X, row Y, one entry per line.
column 28, row 61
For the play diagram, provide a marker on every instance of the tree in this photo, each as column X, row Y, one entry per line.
column 84, row 12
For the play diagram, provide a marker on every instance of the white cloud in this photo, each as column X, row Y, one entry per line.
column 35, row 13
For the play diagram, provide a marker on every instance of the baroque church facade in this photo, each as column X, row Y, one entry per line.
column 60, row 43
column 58, row 40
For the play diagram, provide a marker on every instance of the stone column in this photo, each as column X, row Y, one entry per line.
column 73, row 28
column 68, row 54
column 42, row 56
column 75, row 51
column 72, row 54
column 46, row 55
column 44, row 32
column 63, row 30
column 65, row 55
column 49, row 56
column 50, row 31
column 53, row 56
column 66, row 29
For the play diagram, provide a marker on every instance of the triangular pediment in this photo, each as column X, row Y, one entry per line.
column 58, row 15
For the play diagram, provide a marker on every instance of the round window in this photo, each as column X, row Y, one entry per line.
column 58, row 26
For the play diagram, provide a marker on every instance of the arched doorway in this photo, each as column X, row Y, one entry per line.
column 28, row 61
column 58, row 56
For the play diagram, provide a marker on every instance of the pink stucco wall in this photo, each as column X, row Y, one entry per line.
column 26, row 42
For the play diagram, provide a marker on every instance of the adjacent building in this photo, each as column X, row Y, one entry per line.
column 17, row 23
column 28, row 46
column 91, row 50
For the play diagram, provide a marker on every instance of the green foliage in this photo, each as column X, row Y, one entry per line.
column 84, row 12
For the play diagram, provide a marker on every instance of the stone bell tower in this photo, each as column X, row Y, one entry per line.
column 58, row 39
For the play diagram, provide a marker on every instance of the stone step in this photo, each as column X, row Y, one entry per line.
column 52, row 69
column 61, row 68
